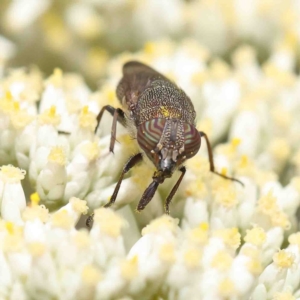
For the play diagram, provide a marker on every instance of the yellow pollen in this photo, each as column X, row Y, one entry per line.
column 149, row 48
column 235, row 143
column 163, row 223
column 244, row 162
column 52, row 111
column 111, row 95
column 7, row 104
column 226, row 197
column 87, row 119
column 267, row 204
column 109, row 222
column 192, row 257
column 56, row 78
column 283, row 296
column 199, row 234
column 255, row 266
column 90, row 150
column 85, row 110
column 49, row 117
column 16, row 106
column 79, row 205
column 11, row 174
column 36, row 212
column 244, row 55
column 91, row 275
column 167, row 252
column 226, row 287
column 224, row 171
column 283, row 259
column 129, row 268
column 280, row 218
column 8, row 95
column 62, row 220
column 10, row 227
column 57, row 155
column 35, row 199
column 20, row 119
column 204, row 226
column 230, row 236
column 37, row 248
column 255, row 236
column 222, row 261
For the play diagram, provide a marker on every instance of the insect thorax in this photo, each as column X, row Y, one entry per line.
column 163, row 99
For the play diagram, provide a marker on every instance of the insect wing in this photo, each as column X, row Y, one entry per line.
column 136, row 78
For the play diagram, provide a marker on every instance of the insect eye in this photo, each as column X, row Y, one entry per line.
column 149, row 134
column 192, row 141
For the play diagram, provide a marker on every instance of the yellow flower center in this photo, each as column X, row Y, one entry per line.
column 49, row 117
column 129, row 268
column 79, row 205
column 87, row 119
column 109, row 222
column 11, row 174
column 255, row 236
column 91, row 275
column 57, row 155
column 283, row 259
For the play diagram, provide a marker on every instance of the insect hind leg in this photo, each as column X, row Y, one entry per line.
column 118, row 116
column 211, row 160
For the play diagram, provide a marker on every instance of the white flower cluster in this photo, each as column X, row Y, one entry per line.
column 84, row 33
column 232, row 242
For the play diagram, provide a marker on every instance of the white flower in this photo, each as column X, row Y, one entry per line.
column 12, row 198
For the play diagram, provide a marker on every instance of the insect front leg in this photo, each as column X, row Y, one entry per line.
column 118, row 115
column 211, row 160
column 133, row 160
column 147, row 196
column 174, row 190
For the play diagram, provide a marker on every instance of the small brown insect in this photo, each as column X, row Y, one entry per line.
column 162, row 118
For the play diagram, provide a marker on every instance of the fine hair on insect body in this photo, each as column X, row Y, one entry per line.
column 164, row 119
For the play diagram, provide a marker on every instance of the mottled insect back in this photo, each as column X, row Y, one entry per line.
column 163, row 115
column 163, row 118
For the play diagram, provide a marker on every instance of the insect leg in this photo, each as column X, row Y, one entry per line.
column 133, row 160
column 173, row 191
column 118, row 115
column 147, row 196
column 211, row 160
